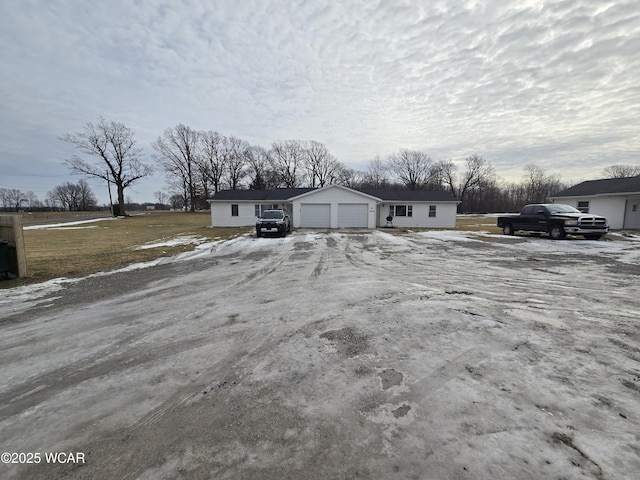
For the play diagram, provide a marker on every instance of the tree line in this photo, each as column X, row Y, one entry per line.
column 198, row 163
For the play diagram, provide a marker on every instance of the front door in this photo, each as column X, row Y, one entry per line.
column 632, row 213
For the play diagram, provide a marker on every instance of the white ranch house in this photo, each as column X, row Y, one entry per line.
column 616, row 199
column 336, row 206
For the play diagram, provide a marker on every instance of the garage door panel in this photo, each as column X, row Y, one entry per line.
column 352, row 215
column 315, row 215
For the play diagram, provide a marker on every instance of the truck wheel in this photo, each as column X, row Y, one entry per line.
column 593, row 236
column 258, row 234
column 508, row 229
column 557, row 232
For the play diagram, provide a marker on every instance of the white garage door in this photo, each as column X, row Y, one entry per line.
column 316, row 215
column 353, row 215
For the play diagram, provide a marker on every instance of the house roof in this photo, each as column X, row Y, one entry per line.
column 384, row 194
column 602, row 187
column 389, row 194
column 339, row 187
column 276, row 194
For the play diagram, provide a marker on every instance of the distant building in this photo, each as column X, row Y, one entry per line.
column 617, row 199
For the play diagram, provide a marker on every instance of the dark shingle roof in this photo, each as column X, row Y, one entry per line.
column 602, row 187
column 386, row 194
column 389, row 194
column 281, row 194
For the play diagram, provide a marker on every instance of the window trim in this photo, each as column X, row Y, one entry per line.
column 408, row 210
column 584, row 208
column 235, row 210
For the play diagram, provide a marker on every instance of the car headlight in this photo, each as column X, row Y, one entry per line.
column 571, row 222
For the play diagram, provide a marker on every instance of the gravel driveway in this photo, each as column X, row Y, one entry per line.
column 334, row 355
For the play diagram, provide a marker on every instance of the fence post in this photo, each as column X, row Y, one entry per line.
column 11, row 232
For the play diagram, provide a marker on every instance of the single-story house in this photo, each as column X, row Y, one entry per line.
column 335, row 206
column 616, row 199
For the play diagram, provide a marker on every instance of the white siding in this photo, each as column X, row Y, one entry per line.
column 610, row 207
column 445, row 215
column 221, row 214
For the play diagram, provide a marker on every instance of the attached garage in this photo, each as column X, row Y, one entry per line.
column 336, row 206
column 315, row 215
column 352, row 215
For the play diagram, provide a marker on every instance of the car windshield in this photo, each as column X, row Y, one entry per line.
column 562, row 209
column 272, row 214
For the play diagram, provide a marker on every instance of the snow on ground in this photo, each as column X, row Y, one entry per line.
column 174, row 241
column 67, row 225
column 335, row 355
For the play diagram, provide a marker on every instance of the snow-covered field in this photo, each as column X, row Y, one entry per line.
column 426, row 355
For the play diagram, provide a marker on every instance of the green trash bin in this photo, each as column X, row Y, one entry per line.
column 4, row 259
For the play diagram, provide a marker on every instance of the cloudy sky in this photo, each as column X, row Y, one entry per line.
column 550, row 83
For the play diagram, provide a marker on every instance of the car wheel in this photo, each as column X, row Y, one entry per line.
column 593, row 236
column 258, row 234
column 557, row 232
column 284, row 232
column 508, row 229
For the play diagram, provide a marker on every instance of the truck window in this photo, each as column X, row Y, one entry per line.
column 527, row 210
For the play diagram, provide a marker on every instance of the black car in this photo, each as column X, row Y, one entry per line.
column 274, row 222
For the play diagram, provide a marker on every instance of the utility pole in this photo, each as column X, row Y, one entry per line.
column 109, row 188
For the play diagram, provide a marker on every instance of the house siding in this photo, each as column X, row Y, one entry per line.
column 610, row 207
column 445, row 215
column 221, row 212
column 339, row 200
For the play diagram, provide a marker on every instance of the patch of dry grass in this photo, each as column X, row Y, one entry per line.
column 477, row 223
column 467, row 223
column 79, row 250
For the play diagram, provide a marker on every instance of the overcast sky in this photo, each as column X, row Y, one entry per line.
column 550, row 83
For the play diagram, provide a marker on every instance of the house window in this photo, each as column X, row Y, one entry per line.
column 234, row 210
column 401, row 210
column 432, row 210
column 259, row 209
column 583, row 206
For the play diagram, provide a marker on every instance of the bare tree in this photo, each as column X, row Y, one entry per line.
column 236, row 154
column 414, row 169
column 74, row 196
column 377, row 174
column 538, row 184
column 12, row 199
column 177, row 154
column 287, row 160
column 160, row 197
column 621, row 171
column 213, row 157
column 259, row 169
column 477, row 172
column 31, row 199
column 321, row 167
column 117, row 155
column 348, row 177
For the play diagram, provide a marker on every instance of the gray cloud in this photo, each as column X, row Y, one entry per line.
column 547, row 82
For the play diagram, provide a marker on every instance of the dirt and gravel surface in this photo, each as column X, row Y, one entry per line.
column 333, row 355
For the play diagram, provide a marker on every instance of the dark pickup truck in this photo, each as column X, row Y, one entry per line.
column 557, row 220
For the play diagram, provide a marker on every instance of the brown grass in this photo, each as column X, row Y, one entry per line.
column 110, row 244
